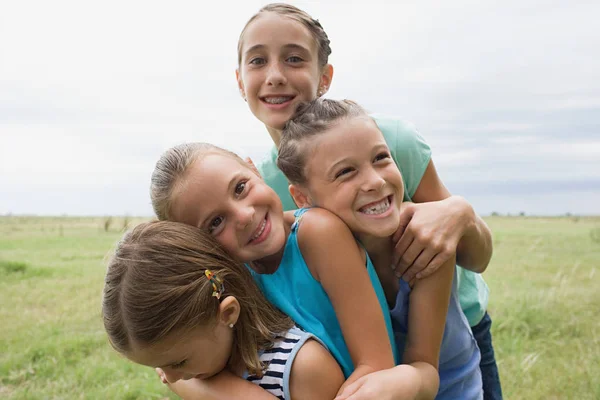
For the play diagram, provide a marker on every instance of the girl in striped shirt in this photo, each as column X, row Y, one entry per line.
column 175, row 301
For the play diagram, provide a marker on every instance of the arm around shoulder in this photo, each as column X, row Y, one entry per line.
column 474, row 247
column 338, row 262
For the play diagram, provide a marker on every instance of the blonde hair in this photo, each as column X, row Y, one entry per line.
column 156, row 285
column 311, row 118
column 171, row 169
column 287, row 10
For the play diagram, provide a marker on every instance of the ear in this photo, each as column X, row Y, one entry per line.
column 300, row 196
column 326, row 78
column 229, row 311
column 252, row 166
column 240, row 82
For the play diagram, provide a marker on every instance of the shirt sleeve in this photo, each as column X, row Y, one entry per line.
column 276, row 179
column 409, row 150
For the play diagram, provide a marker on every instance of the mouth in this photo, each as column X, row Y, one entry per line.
column 377, row 208
column 277, row 101
column 261, row 232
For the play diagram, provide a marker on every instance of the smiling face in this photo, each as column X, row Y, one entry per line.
column 350, row 172
column 202, row 353
column 279, row 68
column 225, row 197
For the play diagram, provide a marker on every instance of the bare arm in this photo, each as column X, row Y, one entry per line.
column 315, row 374
column 417, row 378
column 223, row 386
column 427, row 312
column 437, row 226
column 336, row 260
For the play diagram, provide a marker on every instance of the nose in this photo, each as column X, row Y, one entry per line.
column 244, row 216
column 275, row 75
column 172, row 375
column 372, row 180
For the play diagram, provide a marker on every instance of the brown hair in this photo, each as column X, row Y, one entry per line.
column 310, row 119
column 171, row 169
column 287, row 10
column 156, row 285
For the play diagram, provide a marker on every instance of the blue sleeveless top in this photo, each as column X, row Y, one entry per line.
column 460, row 375
column 294, row 290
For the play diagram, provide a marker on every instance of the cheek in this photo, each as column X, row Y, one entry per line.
column 228, row 240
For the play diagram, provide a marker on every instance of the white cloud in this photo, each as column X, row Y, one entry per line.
column 92, row 93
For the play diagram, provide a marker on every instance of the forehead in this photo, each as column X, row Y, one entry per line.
column 270, row 29
column 347, row 137
column 170, row 349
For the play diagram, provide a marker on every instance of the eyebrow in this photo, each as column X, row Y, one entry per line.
column 289, row 46
column 331, row 170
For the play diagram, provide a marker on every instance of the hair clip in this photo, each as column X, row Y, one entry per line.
column 217, row 283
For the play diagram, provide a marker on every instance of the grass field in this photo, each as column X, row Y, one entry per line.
column 545, row 303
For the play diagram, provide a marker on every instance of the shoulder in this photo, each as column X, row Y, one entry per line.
column 325, row 242
column 320, row 222
column 394, row 126
column 315, row 374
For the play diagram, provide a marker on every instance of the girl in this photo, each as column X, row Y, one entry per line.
column 335, row 157
column 314, row 271
column 283, row 61
column 174, row 299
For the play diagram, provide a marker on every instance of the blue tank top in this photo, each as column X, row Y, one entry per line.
column 294, row 290
column 460, row 375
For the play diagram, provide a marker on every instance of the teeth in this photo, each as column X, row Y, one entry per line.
column 377, row 208
column 276, row 100
column 262, row 228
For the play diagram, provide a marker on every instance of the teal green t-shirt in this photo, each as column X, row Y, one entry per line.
column 412, row 155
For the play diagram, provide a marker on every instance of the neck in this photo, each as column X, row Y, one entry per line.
column 377, row 247
column 380, row 250
column 275, row 135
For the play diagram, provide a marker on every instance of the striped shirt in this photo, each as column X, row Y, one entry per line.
column 279, row 359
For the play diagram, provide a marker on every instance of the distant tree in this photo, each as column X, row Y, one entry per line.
column 522, row 214
column 107, row 222
column 495, row 214
column 126, row 222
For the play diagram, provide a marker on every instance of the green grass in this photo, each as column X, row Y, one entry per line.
column 545, row 304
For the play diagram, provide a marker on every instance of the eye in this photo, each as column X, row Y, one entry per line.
column 257, row 61
column 179, row 364
column 382, row 156
column 215, row 223
column 294, row 59
column 240, row 187
column 344, row 171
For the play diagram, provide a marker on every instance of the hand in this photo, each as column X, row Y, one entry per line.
column 428, row 235
column 161, row 375
column 398, row 383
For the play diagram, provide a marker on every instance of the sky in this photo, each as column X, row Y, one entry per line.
column 507, row 93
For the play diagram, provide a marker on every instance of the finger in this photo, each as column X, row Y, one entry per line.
column 421, row 262
column 400, row 249
column 349, row 390
column 161, row 375
column 433, row 265
column 406, row 214
column 409, row 256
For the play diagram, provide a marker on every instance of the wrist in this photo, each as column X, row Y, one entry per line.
column 465, row 212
